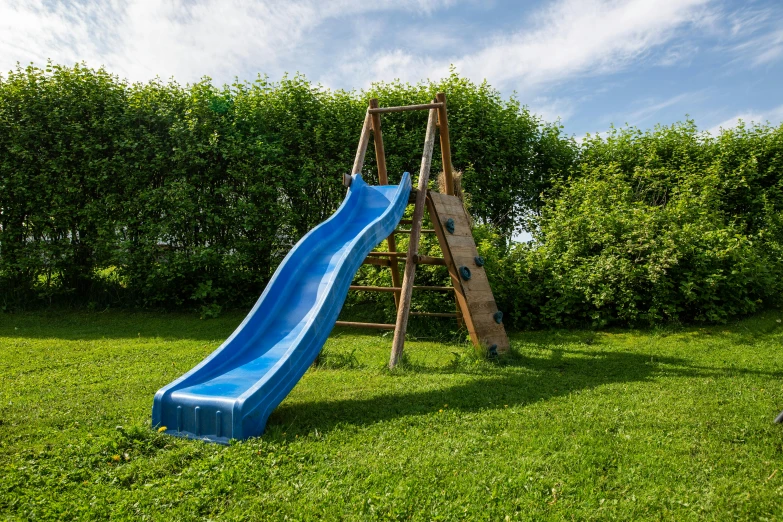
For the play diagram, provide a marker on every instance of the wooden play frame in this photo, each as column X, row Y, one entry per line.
column 451, row 224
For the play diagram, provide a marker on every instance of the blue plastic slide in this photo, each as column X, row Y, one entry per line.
column 231, row 393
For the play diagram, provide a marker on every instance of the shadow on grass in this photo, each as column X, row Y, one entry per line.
column 523, row 380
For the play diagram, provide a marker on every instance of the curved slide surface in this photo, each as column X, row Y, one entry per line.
column 231, row 393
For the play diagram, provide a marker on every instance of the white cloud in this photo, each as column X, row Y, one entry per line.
column 774, row 116
column 567, row 39
column 576, row 37
column 140, row 39
column 552, row 109
column 754, row 36
column 748, row 20
column 651, row 108
column 682, row 53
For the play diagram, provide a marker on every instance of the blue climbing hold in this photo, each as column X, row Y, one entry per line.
column 450, row 225
column 493, row 351
column 479, row 261
column 464, row 272
column 498, row 316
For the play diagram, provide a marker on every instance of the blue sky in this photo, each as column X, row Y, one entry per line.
column 589, row 62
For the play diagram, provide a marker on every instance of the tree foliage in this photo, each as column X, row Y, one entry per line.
column 658, row 226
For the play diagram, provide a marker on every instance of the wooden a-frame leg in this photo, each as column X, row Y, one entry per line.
column 383, row 179
column 403, row 311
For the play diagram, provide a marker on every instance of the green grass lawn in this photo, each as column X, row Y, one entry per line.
column 673, row 425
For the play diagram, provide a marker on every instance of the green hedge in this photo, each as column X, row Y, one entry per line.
column 163, row 195
column 171, row 196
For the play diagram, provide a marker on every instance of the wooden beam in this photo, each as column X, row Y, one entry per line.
column 403, row 108
column 435, row 288
column 423, row 231
column 358, row 161
column 428, row 260
column 376, row 326
column 435, row 314
column 383, row 179
column 388, row 254
column 445, row 143
column 377, row 138
column 397, row 289
column 413, row 247
column 377, row 261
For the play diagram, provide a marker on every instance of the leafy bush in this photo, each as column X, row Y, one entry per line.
column 668, row 225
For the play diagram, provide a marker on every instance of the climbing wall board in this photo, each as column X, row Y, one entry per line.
column 474, row 295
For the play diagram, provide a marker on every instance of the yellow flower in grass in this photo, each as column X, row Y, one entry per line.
column 161, row 429
column 115, row 458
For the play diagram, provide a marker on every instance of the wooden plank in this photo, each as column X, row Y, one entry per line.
column 376, row 326
column 458, row 241
column 461, row 224
column 473, row 295
column 404, row 108
column 465, row 251
column 413, row 247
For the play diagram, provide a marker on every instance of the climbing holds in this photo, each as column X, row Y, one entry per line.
column 479, row 261
column 498, row 316
column 493, row 351
column 450, row 225
column 464, row 272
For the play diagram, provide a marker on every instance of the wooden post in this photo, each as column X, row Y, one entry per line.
column 445, row 150
column 377, row 137
column 445, row 144
column 358, row 162
column 413, row 248
column 383, row 179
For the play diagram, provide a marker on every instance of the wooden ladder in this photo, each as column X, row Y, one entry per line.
column 451, row 224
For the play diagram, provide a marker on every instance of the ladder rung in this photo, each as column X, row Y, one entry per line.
column 421, row 260
column 375, row 288
column 377, row 326
column 423, row 231
column 402, row 108
column 376, row 261
column 398, row 289
column 428, row 260
column 388, row 254
column 436, row 314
